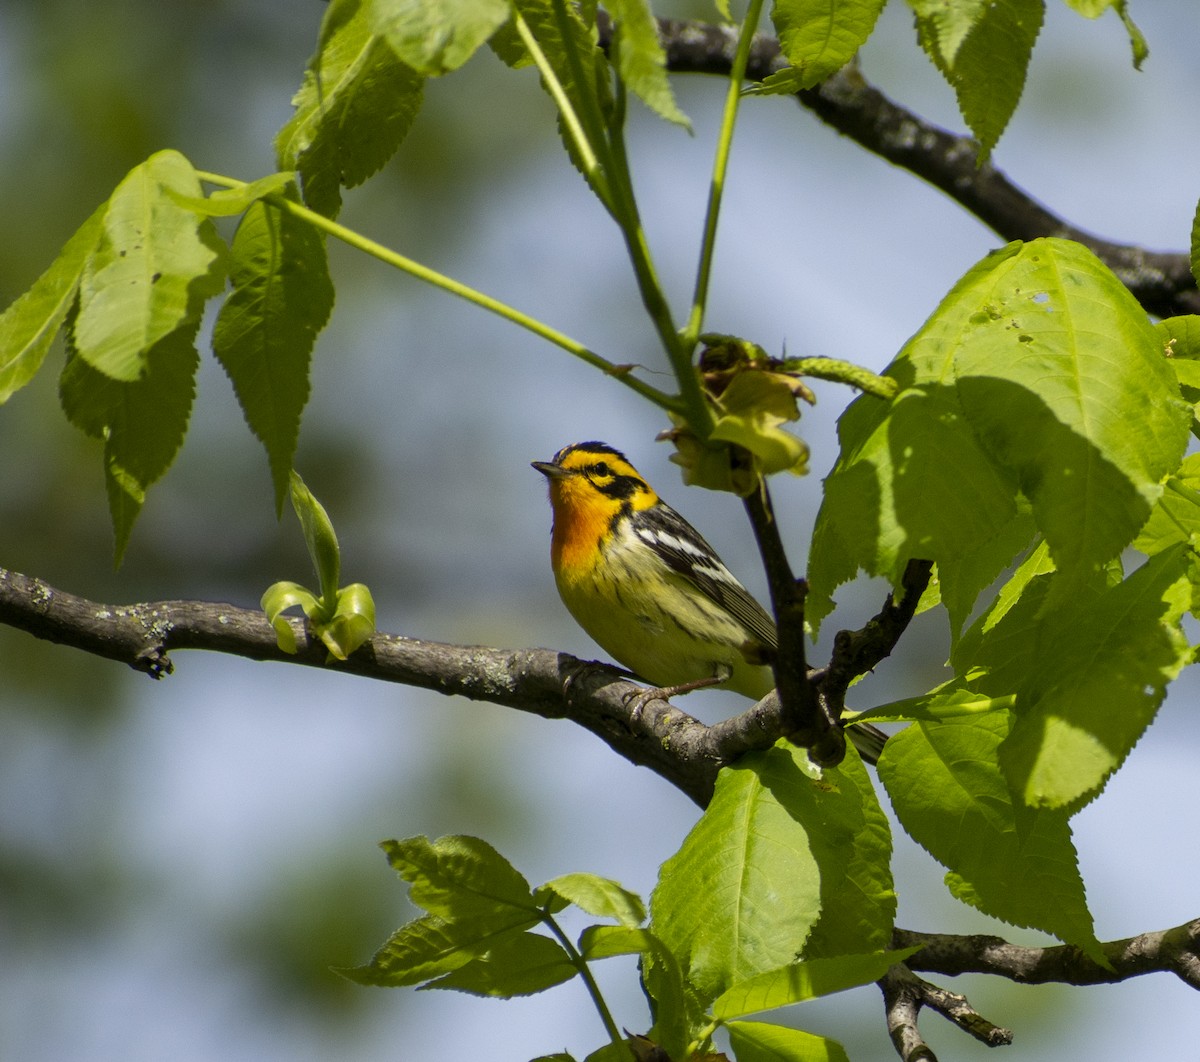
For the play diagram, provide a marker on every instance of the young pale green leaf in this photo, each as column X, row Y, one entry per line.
column 752, row 409
column 819, row 37
column 1062, row 378
column 142, row 422
column 423, row 949
column 800, row 981
column 599, row 896
column 912, row 480
column 772, row 851
column 436, row 36
column 459, row 877
column 1097, row 680
column 1010, row 861
column 29, row 325
column 264, row 335
column 154, row 266
column 640, row 58
column 277, row 599
column 321, row 540
column 755, row 1041
column 983, row 50
column 356, row 106
column 518, row 965
column 352, row 624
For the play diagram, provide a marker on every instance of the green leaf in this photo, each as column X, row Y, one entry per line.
column 770, row 831
column 598, row 896
column 356, row 106
column 1095, row 682
column 141, row 422
column 937, row 706
column 426, row 948
column 641, row 61
column 819, row 37
column 754, row 1041
column 227, row 202
column 1063, row 380
column 463, row 878
column 519, row 965
column 982, row 48
column 800, row 981
column 912, row 480
column 29, row 325
column 264, row 335
column 436, row 36
column 1013, row 862
column 155, row 265
column 320, row 538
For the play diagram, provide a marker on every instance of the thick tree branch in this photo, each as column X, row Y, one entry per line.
column 552, row 685
column 1174, row 951
column 1161, row 281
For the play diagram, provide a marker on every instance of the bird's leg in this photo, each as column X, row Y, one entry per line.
column 640, row 698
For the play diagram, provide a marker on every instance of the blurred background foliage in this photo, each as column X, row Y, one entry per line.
column 182, row 862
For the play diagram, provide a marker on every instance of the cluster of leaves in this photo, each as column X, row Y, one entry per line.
column 1038, row 418
column 710, row 955
column 128, row 290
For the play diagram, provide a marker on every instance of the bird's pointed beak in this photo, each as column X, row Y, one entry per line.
column 550, row 470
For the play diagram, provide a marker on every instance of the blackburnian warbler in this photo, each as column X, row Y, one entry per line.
column 644, row 584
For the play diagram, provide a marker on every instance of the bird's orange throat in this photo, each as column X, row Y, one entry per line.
column 581, row 519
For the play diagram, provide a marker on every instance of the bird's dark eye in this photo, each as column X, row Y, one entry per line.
column 601, row 468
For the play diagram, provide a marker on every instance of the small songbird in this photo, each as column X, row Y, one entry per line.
column 649, row 589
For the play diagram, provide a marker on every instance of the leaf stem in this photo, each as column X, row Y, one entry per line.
column 716, row 187
column 580, row 964
column 592, row 169
column 463, row 291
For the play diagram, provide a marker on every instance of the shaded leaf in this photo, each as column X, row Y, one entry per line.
column 141, row 422
column 355, row 107
column 264, row 335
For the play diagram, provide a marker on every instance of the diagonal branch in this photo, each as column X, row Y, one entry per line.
column 1175, row 950
column 543, row 682
column 1161, row 281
